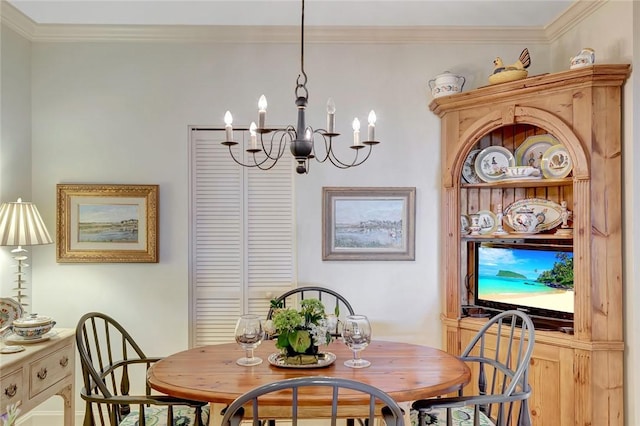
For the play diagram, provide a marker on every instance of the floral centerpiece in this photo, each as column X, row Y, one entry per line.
column 300, row 332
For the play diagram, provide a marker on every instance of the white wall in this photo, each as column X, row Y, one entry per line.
column 118, row 113
column 112, row 112
column 15, row 138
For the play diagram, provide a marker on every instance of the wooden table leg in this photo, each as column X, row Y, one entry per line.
column 215, row 418
column 69, row 403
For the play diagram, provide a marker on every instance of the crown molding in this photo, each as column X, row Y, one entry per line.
column 35, row 32
column 283, row 34
column 577, row 12
column 16, row 20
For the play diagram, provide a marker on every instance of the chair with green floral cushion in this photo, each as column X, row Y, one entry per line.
column 115, row 388
column 333, row 301
column 501, row 390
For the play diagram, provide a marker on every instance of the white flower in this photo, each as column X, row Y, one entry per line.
column 319, row 333
column 332, row 321
column 9, row 418
column 268, row 327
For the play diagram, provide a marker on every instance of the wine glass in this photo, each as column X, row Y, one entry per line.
column 356, row 334
column 249, row 335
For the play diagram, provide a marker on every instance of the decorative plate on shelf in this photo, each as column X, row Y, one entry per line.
column 325, row 359
column 469, row 168
column 10, row 310
column 547, row 212
column 531, row 151
column 492, row 161
column 556, row 163
column 488, row 221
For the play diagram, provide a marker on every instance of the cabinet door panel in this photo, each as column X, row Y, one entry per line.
column 550, row 377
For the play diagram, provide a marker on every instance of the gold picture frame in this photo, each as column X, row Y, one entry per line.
column 98, row 223
column 368, row 223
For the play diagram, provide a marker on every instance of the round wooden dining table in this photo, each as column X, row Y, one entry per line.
column 407, row 372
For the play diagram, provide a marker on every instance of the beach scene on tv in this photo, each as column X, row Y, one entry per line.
column 533, row 278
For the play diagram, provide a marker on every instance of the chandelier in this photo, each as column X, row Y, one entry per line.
column 266, row 149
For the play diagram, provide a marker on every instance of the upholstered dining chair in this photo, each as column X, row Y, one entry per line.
column 499, row 357
column 294, row 389
column 333, row 302
column 114, row 377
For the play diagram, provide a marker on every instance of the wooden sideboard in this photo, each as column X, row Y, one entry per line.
column 576, row 379
column 40, row 371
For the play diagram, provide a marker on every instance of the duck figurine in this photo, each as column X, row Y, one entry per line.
column 523, row 62
column 503, row 73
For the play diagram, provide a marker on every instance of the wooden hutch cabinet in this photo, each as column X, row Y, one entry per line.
column 576, row 379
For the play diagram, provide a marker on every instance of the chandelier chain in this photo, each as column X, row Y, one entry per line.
column 301, row 81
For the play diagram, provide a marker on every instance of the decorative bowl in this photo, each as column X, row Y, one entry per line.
column 509, row 75
column 32, row 326
column 446, row 84
column 521, row 171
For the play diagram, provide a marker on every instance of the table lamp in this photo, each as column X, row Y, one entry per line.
column 21, row 225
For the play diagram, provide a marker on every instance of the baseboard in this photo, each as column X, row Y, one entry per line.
column 47, row 418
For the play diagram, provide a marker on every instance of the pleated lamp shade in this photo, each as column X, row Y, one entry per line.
column 21, row 225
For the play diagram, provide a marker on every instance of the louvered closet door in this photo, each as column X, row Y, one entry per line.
column 242, row 237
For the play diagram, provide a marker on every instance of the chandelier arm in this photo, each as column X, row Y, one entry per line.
column 259, row 165
column 281, row 146
column 336, row 162
column 327, row 146
column 290, row 133
column 331, row 155
column 256, row 163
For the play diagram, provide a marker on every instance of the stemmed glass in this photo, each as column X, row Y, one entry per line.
column 356, row 333
column 249, row 335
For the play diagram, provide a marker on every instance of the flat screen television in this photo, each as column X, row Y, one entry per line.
column 535, row 278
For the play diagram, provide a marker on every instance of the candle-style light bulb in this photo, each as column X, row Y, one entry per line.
column 307, row 134
column 252, row 132
column 262, row 111
column 228, row 120
column 372, row 126
column 356, row 131
column 331, row 115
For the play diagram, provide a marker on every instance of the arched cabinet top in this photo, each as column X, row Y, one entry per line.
column 560, row 104
column 520, row 115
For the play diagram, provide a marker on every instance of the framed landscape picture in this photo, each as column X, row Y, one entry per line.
column 107, row 223
column 368, row 223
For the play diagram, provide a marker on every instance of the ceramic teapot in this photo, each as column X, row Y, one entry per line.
column 446, row 84
column 522, row 220
column 586, row 57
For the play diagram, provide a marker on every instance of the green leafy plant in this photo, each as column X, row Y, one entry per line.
column 300, row 331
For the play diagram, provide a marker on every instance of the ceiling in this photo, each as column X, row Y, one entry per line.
column 464, row 13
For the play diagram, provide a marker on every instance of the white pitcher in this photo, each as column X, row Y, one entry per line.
column 446, row 84
column 586, row 57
